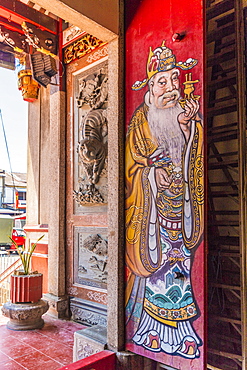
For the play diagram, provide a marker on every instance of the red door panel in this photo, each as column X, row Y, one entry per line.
column 165, row 252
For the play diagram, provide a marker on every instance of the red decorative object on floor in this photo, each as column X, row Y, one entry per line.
column 104, row 360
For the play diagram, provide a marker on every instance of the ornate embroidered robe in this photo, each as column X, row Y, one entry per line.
column 157, row 239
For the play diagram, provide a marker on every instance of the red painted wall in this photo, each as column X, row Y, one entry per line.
column 148, row 23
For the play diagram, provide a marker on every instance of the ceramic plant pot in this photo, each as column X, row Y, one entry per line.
column 26, row 288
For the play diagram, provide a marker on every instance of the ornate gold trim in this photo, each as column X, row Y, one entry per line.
column 81, row 47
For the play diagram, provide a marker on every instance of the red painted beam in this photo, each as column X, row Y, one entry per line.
column 18, row 12
column 11, row 25
column 105, row 360
column 12, row 21
column 10, row 16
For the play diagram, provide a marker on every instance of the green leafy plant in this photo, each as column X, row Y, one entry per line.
column 26, row 254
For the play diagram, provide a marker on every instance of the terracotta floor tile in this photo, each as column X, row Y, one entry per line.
column 75, row 327
column 66, row 324
column 48, row 348
column 11, row 365
column 63, row 336
column 4, row 331
column 9, row 340
column 15, row 351
column 60, row 353
column 49, row 365
column 55, row 334
column 69, row 342
column 40, row 342
column 38, row 360
column 3, row 357
column 72, row 330
column 23, row 334
column 48, row 328
column 3, row 320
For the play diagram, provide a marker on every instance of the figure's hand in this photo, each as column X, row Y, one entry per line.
column 163, row 180
column 190, row 111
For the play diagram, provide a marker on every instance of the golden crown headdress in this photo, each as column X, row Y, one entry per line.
column 160, row 60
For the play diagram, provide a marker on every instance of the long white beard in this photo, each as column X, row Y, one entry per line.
column 165, row 128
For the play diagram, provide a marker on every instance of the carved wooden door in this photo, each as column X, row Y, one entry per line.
column 86, row 200
column 165, row 250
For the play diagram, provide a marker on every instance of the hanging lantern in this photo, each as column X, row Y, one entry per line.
column 28, row 86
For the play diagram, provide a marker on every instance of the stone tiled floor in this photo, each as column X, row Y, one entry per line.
column 48, row 348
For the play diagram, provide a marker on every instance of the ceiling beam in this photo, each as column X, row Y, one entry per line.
column 18, row 12
column 77, row 18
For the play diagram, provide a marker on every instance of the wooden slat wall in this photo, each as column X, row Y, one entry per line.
column 226, row 152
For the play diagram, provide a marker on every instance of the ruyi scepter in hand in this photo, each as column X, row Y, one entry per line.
column 189, row 90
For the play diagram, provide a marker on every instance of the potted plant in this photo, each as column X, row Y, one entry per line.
column 26, row 285
column 26, row 307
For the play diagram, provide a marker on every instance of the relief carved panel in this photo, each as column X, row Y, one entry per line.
column 88, row 313
column 91, row 138
column 90, row 257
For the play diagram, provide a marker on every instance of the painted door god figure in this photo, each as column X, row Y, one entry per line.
column 164, row 209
